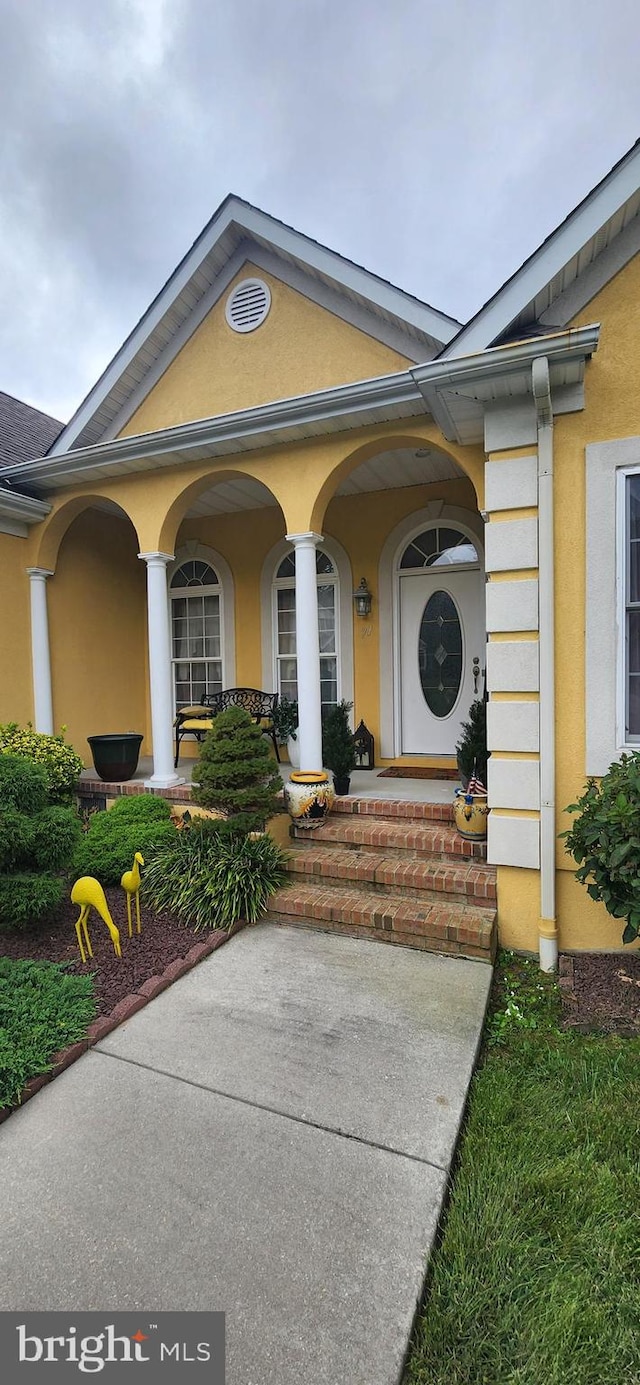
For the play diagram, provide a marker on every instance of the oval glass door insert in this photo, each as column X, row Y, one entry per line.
column 440, row 654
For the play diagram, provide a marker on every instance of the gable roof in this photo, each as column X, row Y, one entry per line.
column 607, row 214
column 24, row 431
column 236, row 233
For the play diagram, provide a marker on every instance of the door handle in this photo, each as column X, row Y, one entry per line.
column 476, row 675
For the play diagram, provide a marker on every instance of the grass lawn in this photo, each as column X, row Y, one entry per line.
column 42, row 1009
column 536, row 1279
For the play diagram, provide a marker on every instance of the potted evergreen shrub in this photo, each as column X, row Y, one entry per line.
column 470, row 803
column 235, row 773
column 285, row 721
column 338, row 749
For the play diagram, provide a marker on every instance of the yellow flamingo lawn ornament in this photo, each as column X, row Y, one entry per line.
column 131, row 883
column 89, row 894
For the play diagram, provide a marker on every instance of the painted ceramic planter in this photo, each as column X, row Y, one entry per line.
column 309, row 797
column 470, row 812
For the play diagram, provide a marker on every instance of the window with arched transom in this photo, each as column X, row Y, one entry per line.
column 196, row 632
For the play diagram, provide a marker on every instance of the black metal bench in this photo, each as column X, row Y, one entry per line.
column 196, row 721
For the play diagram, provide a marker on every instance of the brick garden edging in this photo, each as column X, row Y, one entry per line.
column 122, row 1011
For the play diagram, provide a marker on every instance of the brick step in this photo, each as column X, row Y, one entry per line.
column 392, row 808
column 409, row 838
column 467, row 882
column 456, row 929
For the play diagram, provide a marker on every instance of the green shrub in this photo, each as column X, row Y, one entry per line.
column 59, row 761
column 42, row 1009
column 471, row 749
column 16, row 839
column 22, row 785
column 133, row 824
column 144, row 807
column 211, row 877
column 236, row 773
column 56, row 835
column 338, row 749
column 27, row 898
column 604, row 840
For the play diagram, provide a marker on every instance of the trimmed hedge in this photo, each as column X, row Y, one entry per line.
column 27, row 898
column 107, row 849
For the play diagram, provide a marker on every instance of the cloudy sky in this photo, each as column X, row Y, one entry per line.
column 434, row 141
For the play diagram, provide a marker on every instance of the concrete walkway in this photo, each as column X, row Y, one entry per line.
column 270, row 1137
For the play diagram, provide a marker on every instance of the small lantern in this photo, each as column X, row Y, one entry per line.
column 363, row 744
column 362, row 598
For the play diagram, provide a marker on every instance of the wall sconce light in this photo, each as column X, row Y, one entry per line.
column 362, row 598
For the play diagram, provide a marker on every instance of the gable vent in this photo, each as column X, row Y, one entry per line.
column 248, row 305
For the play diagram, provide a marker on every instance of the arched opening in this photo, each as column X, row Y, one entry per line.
column 410, row 491
column 97, row 624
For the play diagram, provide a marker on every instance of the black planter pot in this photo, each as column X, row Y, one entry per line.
column 341, row 784
column 115, row 757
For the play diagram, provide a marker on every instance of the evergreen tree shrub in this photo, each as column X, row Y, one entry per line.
column 59, row 762
column 236, row 773
column 471, row 749
column 338, row 749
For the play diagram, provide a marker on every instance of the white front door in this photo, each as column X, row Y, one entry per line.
column 442, row 656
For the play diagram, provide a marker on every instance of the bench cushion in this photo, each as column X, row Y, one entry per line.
column 196, row 724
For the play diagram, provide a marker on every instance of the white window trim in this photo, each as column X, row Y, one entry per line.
column 623, row 741
column 194, row 551
column 344, row 614
column 288, row 584
column 434, row 515
column 607, row 464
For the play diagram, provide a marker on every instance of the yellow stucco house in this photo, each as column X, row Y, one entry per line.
column 281, row 424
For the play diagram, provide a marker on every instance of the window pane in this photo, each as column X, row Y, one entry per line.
column 287, row 567
column 633, row 494
column 179, row 607
column 323, row 562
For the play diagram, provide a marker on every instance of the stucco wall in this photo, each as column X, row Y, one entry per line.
column 97, row 629
column 299, row 347
column 16, row 697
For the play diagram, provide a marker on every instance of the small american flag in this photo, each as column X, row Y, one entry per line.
column 476, row 786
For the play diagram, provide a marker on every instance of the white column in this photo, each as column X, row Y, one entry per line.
column 308, row 651
column 164, row 774
column 40, row 658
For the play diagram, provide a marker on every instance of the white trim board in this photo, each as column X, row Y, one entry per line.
column 604, row 741
column 589, row 217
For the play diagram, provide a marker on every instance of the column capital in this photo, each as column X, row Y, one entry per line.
column 157, row 559
column 40, row 572
column 308, row 540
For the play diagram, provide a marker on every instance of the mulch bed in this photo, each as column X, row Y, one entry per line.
column 162, row 940
column 601, row 993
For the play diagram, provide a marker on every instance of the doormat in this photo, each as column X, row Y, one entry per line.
column 418, row 772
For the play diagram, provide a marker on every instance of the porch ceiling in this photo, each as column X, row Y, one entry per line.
column 403, row 467
column 386, row 471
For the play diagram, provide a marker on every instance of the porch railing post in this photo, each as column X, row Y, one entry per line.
column 164, row 774
column 308, row 651
column 40, row 656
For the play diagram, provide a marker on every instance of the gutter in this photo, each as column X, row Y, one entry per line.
column 18, row 511
column 548, row 926
column 406, row 392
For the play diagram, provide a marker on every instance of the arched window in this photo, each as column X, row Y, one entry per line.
column 439, row 547
column 196, row 632
column 284, row 592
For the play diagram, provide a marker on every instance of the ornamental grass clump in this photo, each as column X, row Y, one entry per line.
column 59, row 761
column 236, row 774
column 604, row 840
column 211, row 876
column 37, row 844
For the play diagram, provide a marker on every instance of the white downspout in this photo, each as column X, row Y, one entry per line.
column 548, row 929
